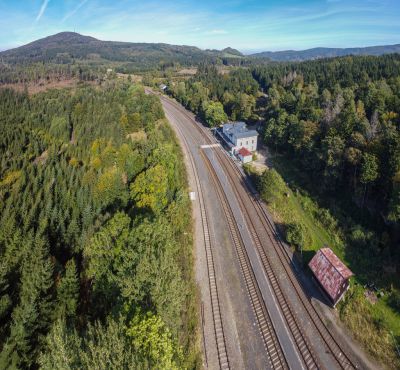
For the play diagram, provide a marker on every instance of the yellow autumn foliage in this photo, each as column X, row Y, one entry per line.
column 73, row 162
column 10, row 178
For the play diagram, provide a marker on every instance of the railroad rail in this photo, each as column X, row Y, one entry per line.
column 271, row 343
column 223, row 358
column 343, row 360
column 305, row 349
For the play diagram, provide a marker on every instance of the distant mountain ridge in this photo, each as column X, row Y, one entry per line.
column 317, row 53
column 66, row 46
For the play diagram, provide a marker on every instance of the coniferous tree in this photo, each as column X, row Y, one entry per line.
column 68, row 291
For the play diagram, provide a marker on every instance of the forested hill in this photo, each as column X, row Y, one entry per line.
column 317, row 53
column 70, row 48
column 65, row 47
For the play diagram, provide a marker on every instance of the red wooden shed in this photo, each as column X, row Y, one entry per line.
column 331, row 273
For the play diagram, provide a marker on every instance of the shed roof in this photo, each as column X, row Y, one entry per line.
column 330, row 271
column 244, row 152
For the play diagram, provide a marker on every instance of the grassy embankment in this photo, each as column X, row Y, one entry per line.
column 375, row 325
column 190, row 335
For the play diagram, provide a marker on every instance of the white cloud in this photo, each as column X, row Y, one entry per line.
column 42, row 10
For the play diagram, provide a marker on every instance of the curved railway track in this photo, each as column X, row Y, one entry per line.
column 273, row 349
column 223, row 358
column 343, row 359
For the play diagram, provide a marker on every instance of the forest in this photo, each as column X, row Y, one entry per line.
column 339, row 121
column 95, row 230
column 215, row 96
column 95, row 233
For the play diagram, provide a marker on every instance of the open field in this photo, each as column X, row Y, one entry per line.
column 34, row 88
column 187, row 71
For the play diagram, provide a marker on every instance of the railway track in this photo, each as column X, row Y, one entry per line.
column 343, row 360
column 304, row 347
column 220, row 340
column 267, row 331
column 271, row 343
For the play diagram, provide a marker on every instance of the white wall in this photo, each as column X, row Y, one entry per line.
column 247, row 143
column 246, row 159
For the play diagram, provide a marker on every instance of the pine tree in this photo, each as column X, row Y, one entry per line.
column 32, row 316
column 61, row 351
column 5, row 300
column 68, row 291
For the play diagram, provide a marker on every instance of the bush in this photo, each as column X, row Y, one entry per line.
column 297, row 235
column 251, row 171
column 358, row 314
column 271, row 185
column 327, row 219
column 363, row 238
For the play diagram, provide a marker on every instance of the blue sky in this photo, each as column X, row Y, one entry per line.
column 248, row 25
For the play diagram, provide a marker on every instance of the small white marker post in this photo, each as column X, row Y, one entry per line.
column 192, row 195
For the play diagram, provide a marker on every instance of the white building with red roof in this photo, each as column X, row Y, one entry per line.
column 331, row 274
column 237, row 136
column 245, row 155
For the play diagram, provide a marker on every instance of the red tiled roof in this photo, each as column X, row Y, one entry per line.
column 244, row 152
column 330, row 271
